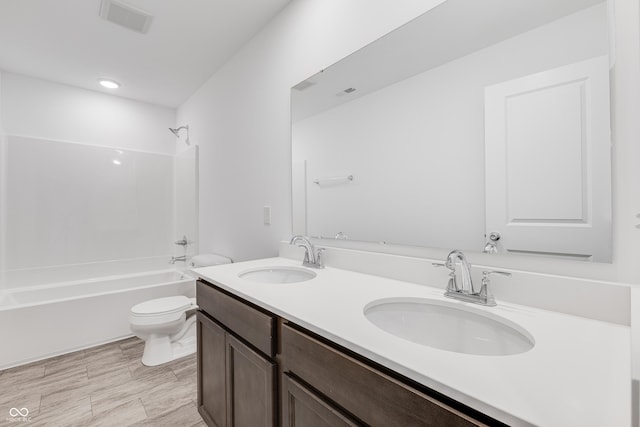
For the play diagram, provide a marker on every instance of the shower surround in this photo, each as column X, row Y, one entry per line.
column 87, row 232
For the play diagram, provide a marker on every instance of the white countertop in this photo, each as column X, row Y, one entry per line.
column 577, row 374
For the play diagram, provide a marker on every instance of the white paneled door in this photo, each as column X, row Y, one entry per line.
column 548, row 162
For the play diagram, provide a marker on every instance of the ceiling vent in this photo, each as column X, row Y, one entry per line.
column 305, row 84
column 125, row 16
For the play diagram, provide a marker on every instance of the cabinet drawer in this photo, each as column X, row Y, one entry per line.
column 372, row 396
column 254, row 326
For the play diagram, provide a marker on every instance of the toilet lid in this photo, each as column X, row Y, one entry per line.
column 162, row 305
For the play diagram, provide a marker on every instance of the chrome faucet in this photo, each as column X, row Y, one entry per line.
column 465, row 291
column 312, row 258
column 182, row 258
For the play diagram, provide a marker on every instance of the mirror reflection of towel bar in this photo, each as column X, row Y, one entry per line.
column 335, row 179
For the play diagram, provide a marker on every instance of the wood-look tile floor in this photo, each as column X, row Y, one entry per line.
column 101, row 386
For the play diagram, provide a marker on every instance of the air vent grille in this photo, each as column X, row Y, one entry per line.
column 126, row 16
column 303, row 85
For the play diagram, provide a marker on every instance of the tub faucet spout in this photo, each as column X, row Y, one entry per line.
column 182, row 258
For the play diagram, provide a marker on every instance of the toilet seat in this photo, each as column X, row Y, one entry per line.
column 160, row 306
column 160, row 311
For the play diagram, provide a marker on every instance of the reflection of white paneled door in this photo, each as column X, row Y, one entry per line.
column 548, row 162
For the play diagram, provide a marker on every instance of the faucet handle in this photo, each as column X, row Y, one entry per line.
column 486, row 274
column 183, row 241
column 319, row 259
column 452, row 271
column 485, row 292
column 443, row 264
column 451, row 285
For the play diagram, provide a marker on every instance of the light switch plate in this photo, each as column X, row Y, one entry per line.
column 266, row 214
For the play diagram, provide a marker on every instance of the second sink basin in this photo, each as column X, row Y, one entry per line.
column 277, row 274
column 449, row 326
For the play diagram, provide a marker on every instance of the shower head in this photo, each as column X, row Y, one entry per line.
column 176, row 132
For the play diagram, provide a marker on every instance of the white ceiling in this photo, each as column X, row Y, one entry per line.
column 66, row 41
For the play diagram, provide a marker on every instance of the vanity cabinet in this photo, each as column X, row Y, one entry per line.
column 255, row 369
column 371, row 396
column 236, row 378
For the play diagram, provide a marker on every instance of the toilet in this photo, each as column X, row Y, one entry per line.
column 169, row 333
column 163, row 324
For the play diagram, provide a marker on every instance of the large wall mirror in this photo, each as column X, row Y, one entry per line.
column 480, row 125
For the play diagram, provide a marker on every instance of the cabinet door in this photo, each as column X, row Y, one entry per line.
column 250, row 387
column 301, row 407
column 211, row 372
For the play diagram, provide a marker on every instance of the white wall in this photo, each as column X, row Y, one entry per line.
column 417, row 147
column 241, row 120
column 37, row 108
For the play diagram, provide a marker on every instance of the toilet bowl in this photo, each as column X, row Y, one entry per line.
column 165, row 327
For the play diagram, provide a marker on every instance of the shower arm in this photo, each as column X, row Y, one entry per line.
column 176, row 132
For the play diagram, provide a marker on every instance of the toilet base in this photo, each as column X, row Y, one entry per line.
column 159, row 348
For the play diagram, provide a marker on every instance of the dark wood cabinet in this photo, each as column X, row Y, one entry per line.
column 302, row 407
column 374, row 397
column 236, row 382
column 250, row 387
column 211, row 361
column 254, row 325
column 256, row 370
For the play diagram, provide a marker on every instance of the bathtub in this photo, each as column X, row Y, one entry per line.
column 38, row 322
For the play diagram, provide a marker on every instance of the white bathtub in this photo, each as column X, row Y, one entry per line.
column 47, row 320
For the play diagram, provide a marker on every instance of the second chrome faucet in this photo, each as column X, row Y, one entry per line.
column 460, row 285
column 312, row 258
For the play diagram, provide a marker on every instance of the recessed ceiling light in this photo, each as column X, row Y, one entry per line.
column 116, row 162
column 109, row 84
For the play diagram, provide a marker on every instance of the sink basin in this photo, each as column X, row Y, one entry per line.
column 449, row 326
column 277, row 275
